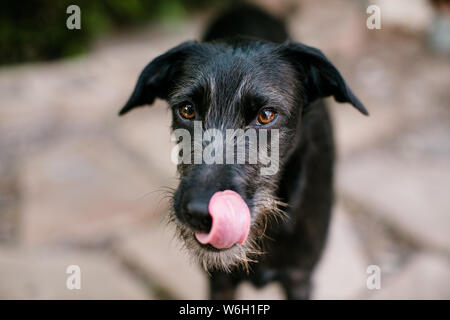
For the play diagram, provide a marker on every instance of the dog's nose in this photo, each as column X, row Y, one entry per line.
column 197, row 215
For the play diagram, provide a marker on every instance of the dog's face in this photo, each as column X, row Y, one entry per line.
column 250, row 85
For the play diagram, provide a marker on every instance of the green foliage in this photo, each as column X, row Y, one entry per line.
column 36, row 29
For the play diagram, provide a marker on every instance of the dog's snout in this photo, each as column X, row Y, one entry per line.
column 197, row 215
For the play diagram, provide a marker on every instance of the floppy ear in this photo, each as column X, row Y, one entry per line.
column 322, row 77
column 156, row 79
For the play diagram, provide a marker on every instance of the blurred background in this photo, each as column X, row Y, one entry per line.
column 79, row 185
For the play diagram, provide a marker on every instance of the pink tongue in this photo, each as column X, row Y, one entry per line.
column 230, row 220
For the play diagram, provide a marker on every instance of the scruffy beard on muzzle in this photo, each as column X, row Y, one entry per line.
column 267, row 210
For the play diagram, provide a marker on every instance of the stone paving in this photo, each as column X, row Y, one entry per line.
column 81, row 186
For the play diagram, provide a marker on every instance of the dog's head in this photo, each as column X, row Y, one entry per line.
column 214, row 89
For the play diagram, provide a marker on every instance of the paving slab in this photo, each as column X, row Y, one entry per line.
column 341, row 273
column 427, row 276
column 159, row 256
column 82, row 189
column 406, row 182
column 27, row 274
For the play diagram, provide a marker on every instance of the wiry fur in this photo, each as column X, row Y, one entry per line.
column 239, row 256
column 266, row 209
column 229, row 78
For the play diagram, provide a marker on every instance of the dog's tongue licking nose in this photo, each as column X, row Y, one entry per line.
column 230, row 220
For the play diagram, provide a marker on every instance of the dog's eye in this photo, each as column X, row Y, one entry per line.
column 266, row 116
column 187, row 111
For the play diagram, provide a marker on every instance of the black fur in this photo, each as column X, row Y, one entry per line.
column 245, row 63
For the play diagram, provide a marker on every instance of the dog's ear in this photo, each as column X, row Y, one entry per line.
column 322, row 77
column 157, row 77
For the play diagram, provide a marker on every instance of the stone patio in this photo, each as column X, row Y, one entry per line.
column 80, row 185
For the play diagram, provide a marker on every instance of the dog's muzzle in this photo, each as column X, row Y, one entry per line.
column 230, row 217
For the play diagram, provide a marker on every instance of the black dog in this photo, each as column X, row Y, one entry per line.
column 247, row 75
